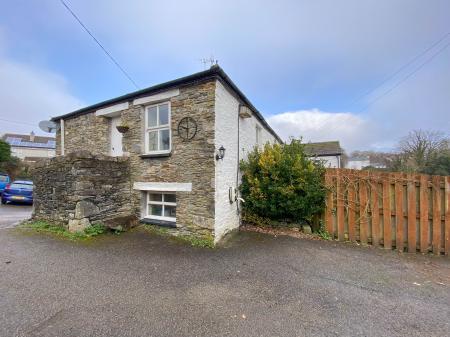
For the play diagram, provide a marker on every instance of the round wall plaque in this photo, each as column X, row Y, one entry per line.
column 187, row 128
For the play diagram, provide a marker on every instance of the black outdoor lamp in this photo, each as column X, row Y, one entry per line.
column 221, row 153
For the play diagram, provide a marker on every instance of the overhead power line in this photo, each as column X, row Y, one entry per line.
column 399, row 70
column 403, row 67
column 405, row 78
column 99, row 44
column 16, row 122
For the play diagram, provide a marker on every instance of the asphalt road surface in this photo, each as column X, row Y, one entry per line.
column 12, row 214
column 139, row 284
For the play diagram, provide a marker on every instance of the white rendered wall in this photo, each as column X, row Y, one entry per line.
column 22, row 152
column 329, row 161
column 226, row 135
column 247, row 132
column 357, row 164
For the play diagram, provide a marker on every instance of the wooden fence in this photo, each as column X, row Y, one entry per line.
column 407, row 212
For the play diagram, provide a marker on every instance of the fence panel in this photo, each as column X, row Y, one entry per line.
column 393, row 210
column 387, row 227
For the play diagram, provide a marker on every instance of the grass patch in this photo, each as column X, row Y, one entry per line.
column 194, row 241
column 45, row 227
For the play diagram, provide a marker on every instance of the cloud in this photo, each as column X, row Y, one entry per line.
column 285, row 56
column 30, row 94
column 353, row 131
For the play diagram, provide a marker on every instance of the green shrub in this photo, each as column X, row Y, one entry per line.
column 282, row 183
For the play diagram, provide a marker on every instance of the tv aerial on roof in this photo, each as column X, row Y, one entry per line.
column 48, row 126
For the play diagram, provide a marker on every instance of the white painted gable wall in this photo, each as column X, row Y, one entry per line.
column 226, row 135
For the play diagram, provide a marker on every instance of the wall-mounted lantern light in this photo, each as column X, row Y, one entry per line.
column 221, row 153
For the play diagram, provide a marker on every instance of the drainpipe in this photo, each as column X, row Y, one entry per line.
column 62, row 136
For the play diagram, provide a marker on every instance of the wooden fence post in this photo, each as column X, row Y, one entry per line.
column 447, row 216
column 351, row 208
column 375, row 210
column 363, row 209
column 340, row 195
column 329, row 203
column 411, row 190
column 387, row 234
column 436, row 214
column 424, row 222
column 399, row 216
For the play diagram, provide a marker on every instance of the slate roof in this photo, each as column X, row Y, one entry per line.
column 323, row 149
column 215, row 72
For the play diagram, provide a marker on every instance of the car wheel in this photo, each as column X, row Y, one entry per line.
column 3, row 201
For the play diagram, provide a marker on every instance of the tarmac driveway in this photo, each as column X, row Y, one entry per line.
column 138, row 284
column 12, row 214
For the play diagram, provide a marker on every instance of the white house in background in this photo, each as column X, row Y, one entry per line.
column 328, row 152
column 358, row 163
column 30, row 148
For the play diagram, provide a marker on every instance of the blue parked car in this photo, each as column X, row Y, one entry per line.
column 18, row 191
column 4, row 180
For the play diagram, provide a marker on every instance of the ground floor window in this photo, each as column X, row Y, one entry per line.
column 161, row 206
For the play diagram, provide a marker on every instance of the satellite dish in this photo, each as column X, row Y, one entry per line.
column 48, row 126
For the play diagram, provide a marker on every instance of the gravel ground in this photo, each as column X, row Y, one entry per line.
column 139, row 284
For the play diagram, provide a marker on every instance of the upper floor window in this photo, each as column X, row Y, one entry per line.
column 157, row 128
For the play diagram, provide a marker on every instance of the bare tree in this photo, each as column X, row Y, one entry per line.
column 420, row 148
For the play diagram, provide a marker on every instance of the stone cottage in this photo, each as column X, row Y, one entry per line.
column 167, row 155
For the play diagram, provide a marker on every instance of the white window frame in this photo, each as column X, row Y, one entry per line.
column 157, row 128
column 162, row 203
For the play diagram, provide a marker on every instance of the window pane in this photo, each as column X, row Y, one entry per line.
column 151, row 116
column 164, row 139
column 155, row 197
column 153, row 141
column 170, row 211
column 164, row 114
column 155, row 210
column 170, row 198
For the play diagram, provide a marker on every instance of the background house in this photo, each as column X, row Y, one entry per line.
column 358, row 163
column 30, row 148
column 328, row 152
column 359, row 160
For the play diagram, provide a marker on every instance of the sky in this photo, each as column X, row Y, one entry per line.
column 313, row 68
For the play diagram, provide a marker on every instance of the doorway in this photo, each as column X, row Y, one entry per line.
column 116, row 138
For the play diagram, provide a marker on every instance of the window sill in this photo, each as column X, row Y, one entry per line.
column 162, row 223
column 156, row 155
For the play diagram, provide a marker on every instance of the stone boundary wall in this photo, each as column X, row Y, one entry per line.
column 80, row 188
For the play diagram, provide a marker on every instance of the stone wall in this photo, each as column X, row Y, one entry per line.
column 85, row 132
column 81, row 188
column 190, row 161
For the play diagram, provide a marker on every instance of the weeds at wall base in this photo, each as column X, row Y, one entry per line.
column 207, row 241
column 48, row 228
